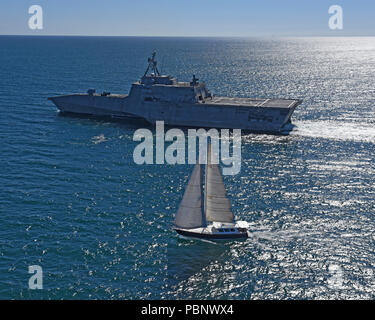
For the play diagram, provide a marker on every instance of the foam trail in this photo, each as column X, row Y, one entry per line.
column 98, row 139
column 256, row 235
column 336, row 130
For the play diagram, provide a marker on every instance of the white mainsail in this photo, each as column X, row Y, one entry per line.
column 190, row 213
column 217, row 204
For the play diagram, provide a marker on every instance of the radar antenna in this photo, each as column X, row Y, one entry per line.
column 152, row 65
column 194, row 82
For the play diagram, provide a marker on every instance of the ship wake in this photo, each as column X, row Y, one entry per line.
column 336, row 130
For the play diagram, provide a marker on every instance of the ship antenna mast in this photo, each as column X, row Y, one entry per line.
column 152, row 65
column 162, row 65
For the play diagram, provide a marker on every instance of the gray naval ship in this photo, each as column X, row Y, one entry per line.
column 188, row 104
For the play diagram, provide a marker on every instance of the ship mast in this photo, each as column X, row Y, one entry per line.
column 152, row 65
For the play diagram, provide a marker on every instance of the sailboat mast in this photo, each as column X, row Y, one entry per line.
column 208, row 158
column 204, row 222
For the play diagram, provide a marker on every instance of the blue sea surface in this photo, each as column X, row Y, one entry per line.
column 73, row 201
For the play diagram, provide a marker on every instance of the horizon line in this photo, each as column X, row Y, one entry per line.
column 189, row 36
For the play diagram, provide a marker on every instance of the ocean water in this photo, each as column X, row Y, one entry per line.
column 73, row 201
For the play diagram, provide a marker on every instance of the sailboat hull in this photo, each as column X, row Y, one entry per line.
column 212, row 236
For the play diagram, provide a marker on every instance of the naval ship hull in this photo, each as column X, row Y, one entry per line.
column 101, row 106
column 254, row 115
column 159, row 97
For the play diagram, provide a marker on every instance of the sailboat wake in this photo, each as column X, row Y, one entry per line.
column 263, row 237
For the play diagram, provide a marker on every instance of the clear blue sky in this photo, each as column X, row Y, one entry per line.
column 188, row 17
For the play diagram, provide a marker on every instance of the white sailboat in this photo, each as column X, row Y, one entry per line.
column 208, row 215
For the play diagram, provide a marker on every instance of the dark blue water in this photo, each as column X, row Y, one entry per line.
column 73, row 201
